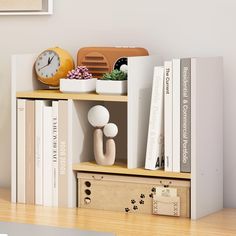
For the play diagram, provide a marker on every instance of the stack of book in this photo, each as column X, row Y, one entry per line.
column 169, row 134
column 42, row 152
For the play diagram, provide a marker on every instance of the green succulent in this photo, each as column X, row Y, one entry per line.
column 115, row 75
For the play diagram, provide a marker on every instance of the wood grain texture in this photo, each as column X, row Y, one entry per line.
column 120, row 168
column 221, row 223
column 56, row 94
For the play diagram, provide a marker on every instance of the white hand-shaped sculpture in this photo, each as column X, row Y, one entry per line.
column 98, row 117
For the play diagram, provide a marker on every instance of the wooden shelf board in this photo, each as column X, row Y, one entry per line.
column 122, row 169
column 56, row 94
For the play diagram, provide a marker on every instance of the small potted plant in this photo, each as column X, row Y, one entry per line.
column 78, row 80
column 112, row 83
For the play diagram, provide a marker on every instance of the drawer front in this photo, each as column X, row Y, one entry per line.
column 126, row 193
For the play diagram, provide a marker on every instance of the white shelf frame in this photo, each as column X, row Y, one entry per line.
column 47, row 10
column 206, row 120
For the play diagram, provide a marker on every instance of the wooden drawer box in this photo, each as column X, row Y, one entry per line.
column 127, row 193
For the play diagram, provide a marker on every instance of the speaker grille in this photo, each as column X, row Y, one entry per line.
column 96, row 63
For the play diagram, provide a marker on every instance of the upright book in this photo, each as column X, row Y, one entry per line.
column 155, row 142
column 176, row 115
column 47, row 156
column 185, row 115
column 168, row 114
column 39, row 111
column 30, row 153
column 70, row 149
column 55, row 152
column 21, row 106
column 63, row 153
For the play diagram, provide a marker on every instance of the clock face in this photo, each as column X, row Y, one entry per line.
column 122, row 64
column 47, row 64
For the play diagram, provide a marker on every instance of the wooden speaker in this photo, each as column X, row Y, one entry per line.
column 100, row 60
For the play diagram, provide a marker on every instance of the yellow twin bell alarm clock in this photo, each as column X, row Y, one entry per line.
column 52, row 65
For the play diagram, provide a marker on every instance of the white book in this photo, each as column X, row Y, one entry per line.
column 176, row 115
column 155, row 142
column 47, row 156
column 21, row 106
column 63, row 153
column 73, row 134
column 168, row 114
column 70, row 151
column 55, row 152
column 39, row 108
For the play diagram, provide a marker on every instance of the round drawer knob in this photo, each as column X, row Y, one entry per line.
column 87, row 191
column 87, row 200
column 88, row 184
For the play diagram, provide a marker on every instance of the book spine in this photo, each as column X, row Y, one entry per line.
column 55, row 152
column 29, row 147
column 62, row 153
column 185, row 119
column 176, row 115
column 168, row 116
column 155, row 143
column 47, row 156
column 21, row 150
column 72, row 151
column 39, row 152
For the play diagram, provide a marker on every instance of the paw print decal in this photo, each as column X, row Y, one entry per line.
column 127, row 209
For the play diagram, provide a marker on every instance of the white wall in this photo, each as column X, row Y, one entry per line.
column 169, row 27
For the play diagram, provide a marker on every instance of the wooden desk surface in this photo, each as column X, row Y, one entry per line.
column 222, row 223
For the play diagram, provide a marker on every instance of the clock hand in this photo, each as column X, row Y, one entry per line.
column 43, row 67
column 50, row 60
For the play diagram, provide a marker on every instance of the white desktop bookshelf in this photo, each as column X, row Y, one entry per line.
column 207, row 131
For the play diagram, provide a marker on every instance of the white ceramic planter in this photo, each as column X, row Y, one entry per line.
column 111, row 87
column 77, row 86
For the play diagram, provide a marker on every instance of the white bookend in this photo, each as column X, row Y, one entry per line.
column 206, row 136
column 47, row 156
column 176, row 115
column 21, row 103
column 55, row 152
column 168, row 114
column 140, row 77
column 155, row 143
